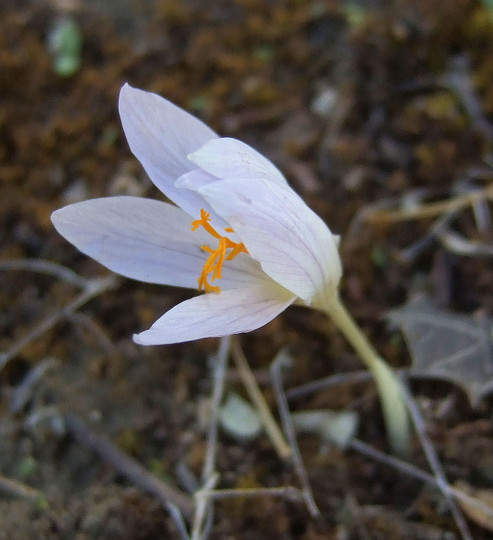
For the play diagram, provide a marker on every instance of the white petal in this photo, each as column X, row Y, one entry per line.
column 230, row 158
column 293, row 245
column 160, row 135
column 192, row 181
column 139, row 238
column 215, row 315
column 147, row 240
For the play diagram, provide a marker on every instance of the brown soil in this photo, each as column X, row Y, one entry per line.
column 412, row 83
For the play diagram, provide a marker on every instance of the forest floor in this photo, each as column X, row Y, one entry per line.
column 379, row 114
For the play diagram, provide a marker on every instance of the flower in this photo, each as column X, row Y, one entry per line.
column 236, row 229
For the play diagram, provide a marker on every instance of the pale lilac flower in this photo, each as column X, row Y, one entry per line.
column 255, row 247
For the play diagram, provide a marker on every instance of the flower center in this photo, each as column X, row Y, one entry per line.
column 214, row 263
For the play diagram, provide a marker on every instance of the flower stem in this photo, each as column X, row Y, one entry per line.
column 271, row 427
column 388, row 385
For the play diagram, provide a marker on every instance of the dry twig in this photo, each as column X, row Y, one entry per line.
column 92, row 289
column 434, row 462
column 203, row 508
column 270, row 425
column 282, row 403
column 129, row 468
column 429, row 210
column 18, row 489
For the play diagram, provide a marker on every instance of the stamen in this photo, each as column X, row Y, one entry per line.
column 204, row 220
column 214, row 263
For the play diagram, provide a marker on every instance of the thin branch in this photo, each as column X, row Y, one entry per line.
column 201, row 502
column 392, row 461
column 419, row 474
column 434, row 462
column 270, row 425
column 129, row 468
column 46, row 267
column 220, row 368
column 94, row 288
column 439, row 481
column 290, row 493
column 18, row 489
column 203, row 507
column 177, row 517
column 351, row 377
column 282, row 403
column 431, row 209
column 23, row 391
column 88, row 323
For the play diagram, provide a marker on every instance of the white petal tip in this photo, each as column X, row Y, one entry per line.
column 125, row 90
column 137, row 338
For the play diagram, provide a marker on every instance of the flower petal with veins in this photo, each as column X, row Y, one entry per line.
column 144, row 239
column 215, row 315
column 292, row 244
column 255, row 246
column 230, row 158
column 160, row 135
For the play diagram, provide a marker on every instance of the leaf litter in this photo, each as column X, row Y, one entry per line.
column 449, row 346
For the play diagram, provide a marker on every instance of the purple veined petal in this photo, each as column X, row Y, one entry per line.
column 160, row 135
column 293, row 245
column 215, row 315
column 142, row 239
column 230, row 158
column 147, row 240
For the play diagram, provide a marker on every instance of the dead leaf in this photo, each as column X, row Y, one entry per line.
column 444, row 345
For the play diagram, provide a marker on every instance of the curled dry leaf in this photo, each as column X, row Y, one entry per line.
column 449, row 346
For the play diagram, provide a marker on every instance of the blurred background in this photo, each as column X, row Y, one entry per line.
column 365, row 106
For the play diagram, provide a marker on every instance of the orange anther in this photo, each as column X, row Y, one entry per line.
column 204, row 220
column 214, row 263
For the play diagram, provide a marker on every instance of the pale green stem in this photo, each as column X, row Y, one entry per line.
column 388, row 385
